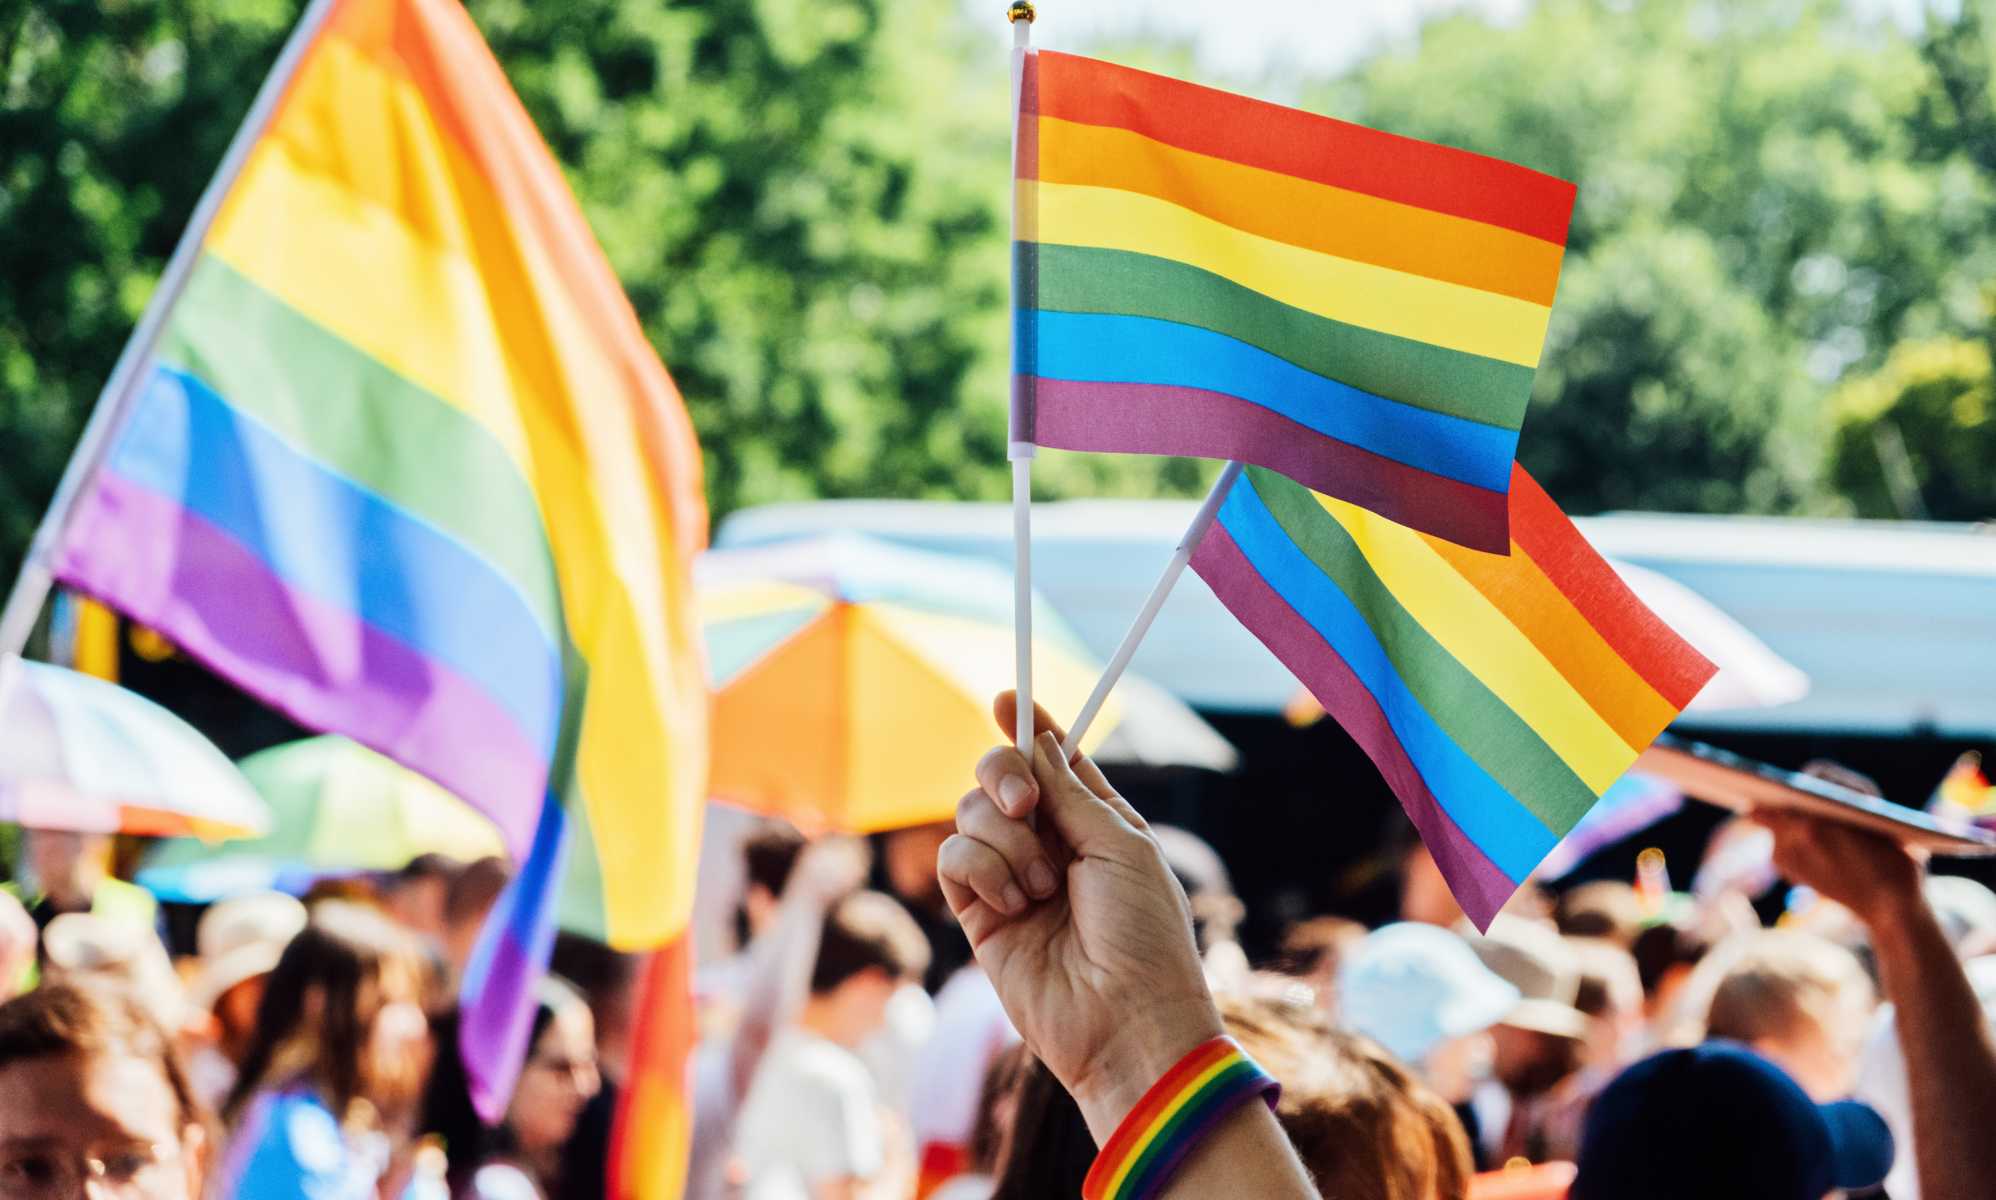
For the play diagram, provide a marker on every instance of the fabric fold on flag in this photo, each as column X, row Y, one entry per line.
column 403, row 464
column 1199, row 273
column 1499, row 695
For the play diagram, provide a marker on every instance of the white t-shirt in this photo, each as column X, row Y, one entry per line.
column 812, row 1116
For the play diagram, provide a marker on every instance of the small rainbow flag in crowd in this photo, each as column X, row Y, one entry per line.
column 1965, row 793
column 1500, row 695
column 403, row 464
column 1199, row 273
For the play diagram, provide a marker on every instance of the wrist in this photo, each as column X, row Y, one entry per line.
column 1140, row 1052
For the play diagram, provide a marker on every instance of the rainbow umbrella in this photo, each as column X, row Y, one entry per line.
column 853, row 679
column 340, row 809
column 80, row 754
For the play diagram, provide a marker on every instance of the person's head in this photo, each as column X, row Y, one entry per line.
column 560, row 1075
column 89, row 1084
column 1608, row 909
column 469, row 898
column 869, row 947
column 1800, row 1001
column 557, row 1080
column 1967, row 912
column 342, row 1013
column 908, row 863
column 1721, row 1123
column 1209, row 888
column 768, row 855
column 86, row 949
column 239, row 941
column 1666, row 954
column 1611, row 995
column 1314, row 951
column 19, row 942
column 67, row 867
column 609, row 980
column 1421, row 992
column 1538, row 1041
column 418, row 895
column 1364, row 1127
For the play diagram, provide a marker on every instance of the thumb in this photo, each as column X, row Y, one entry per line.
column 1085, row 821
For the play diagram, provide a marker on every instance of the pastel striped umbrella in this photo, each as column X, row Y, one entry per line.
column 853, row 679
column 341, row 809
column 80, row 754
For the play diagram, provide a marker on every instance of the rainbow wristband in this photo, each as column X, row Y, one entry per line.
column 1178, row 1111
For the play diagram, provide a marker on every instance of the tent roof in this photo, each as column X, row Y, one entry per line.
column 1894, row 622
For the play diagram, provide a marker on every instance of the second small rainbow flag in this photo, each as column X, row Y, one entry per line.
column 1200, row 273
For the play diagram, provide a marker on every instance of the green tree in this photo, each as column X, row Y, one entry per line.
column 805, row 200
column 1759, row 214
column 1917, row 438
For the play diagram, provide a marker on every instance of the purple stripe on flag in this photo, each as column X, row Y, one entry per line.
column 497, row 993
column 1476, row 881
column 145, row 555
column 1135, row 418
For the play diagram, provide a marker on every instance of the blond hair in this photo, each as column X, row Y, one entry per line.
column 1768, row 983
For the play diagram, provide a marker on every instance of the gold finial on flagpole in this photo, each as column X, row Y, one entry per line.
column 1021, row 10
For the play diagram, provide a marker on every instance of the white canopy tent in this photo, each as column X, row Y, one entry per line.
column 1893, row 623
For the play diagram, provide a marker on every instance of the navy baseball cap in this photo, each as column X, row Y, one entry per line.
column 1720, row 1122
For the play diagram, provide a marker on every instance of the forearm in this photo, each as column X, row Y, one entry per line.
column 1950, row 1062
column 1246, row 1155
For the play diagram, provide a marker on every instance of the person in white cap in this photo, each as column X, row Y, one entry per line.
column 1538, row 1042
column 1421, row 992
column 238, row 942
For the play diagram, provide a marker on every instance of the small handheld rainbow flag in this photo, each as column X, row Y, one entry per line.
column 1203, row 274
column 402, row 463
column 1965, row 793
column 1500, row 696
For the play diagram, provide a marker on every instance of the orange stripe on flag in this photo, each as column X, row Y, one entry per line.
column 651, row 1142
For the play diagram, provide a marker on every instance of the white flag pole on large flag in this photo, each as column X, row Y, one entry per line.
column 1020, row 448
column 31, row 586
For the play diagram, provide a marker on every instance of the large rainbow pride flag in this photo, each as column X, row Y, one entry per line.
column 1499, row 695
column 404, row 465
column 1203, row 274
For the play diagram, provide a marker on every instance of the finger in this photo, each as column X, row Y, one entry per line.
column 1007, row 778
column 978, row 919
column 1086, row 821
column 1006, row 708
column 1015, row 841
column 967, row 861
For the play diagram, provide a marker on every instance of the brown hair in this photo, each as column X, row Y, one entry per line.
column 60, row 1019
column 319, row 1007
column 864, row 931
column 1364, row 1127
column 1768, row 982
column 1051, row 1147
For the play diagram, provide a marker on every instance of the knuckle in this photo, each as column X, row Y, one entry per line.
column 972, row 808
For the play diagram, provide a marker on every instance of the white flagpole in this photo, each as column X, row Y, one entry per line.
column 1209, row 510
column 1021, row 447
column 31, row 587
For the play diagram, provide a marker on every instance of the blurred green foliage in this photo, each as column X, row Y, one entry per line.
column 1768, row 202
column 806, row 202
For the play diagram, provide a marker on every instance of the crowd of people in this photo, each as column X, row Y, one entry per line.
column 972, row 1011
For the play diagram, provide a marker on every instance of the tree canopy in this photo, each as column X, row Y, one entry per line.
column 806, row 202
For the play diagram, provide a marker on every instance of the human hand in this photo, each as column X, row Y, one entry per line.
column 1873, row 876
column 1080, row 925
